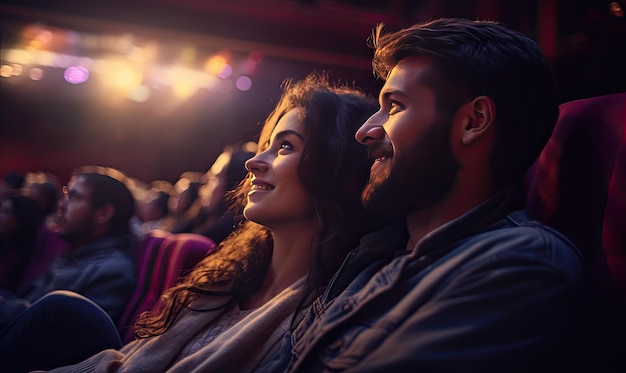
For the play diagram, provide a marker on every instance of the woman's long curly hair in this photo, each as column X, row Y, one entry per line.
column 334, row 168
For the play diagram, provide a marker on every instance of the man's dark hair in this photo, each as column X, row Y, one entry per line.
column 108, row 186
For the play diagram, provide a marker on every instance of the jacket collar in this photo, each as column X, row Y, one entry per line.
column 473, row 221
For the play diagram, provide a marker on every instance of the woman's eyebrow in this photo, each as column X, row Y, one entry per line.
column 284, row 133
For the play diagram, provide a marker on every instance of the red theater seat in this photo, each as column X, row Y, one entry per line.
column 578, row 186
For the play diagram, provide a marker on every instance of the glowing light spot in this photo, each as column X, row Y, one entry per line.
column 226, row 72
column 17, row 69
column 121, row 74
column 243, row 83
column 76, row 74
column 19, row 56
column 35, row 73
column 140, row 94
column 35, row 44
column 215, row 64
column 182, row 90
column 6, row 71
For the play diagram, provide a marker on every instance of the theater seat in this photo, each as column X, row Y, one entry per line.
column 578, row 186
column 162, row 257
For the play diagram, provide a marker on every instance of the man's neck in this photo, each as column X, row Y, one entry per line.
column 423, row 221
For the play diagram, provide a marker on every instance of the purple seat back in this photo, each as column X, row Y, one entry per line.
column 146, row 256
column 167, row 259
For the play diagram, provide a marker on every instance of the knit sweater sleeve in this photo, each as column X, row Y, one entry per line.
column 103, row 362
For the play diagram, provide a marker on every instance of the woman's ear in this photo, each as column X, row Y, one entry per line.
column 481, row 119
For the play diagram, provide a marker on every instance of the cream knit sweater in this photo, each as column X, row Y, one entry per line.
column 240, row 348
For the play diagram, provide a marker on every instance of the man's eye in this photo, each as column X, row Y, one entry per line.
column 395, row 107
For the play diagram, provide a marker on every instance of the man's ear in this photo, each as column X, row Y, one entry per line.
column 481, row 119
column 105, row 213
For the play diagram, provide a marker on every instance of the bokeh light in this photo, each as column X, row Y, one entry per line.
column 35, row 73
column 139, row 94
column 215, row 64
column 243, row 83
column 17, row 69
column 183, row 90
column 76, row 74
column 126, row 65
column 226, row 72
column 121, row 74
column 6, row 71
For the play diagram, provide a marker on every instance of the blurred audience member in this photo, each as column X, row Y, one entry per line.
column 213, row 219
column 46, row 189
column 94, row 219
column 12, row 183
column 20, row 220
column 153, row 209
column 182, row 197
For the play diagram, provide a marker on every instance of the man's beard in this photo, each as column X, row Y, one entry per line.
column 77, row 234
column 417, row 179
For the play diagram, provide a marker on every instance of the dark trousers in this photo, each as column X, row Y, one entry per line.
column 61, row 328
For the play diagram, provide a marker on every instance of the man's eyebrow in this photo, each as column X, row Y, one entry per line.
column 384, row 95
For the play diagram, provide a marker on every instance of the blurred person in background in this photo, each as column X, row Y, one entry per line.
column 183, row 195
column 93, row 219
column 12, row 183
column 209, row 214
column 46, row 189
column 153, row 210
column 21, row 218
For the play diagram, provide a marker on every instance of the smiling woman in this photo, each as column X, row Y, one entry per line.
column 278, row 197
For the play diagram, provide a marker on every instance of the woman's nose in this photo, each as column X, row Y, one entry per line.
column 255, row 164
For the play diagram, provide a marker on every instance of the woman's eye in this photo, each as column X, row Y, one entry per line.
column 394, row 107
column 286, row 145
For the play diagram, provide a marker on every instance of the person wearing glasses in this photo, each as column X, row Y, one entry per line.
column 93, row 218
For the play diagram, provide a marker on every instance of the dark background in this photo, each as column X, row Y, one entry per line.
column 51, row 126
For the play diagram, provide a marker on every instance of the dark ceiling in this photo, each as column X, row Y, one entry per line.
column 54, row 128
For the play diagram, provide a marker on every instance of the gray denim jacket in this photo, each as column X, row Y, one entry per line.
column 492, row 290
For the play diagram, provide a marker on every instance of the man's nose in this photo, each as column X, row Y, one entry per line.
column 370, row 131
